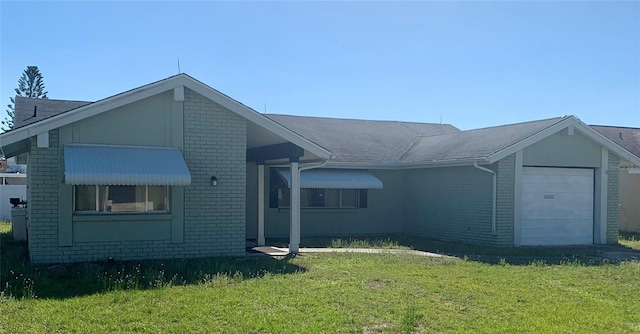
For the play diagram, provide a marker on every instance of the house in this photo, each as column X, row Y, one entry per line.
column 629, row 138
column 13, row 184
column 177, row 169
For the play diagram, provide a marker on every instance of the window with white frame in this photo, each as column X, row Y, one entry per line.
column 121, row 199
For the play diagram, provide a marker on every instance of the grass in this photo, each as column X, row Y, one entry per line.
column 630, row 240
column 482, row 253
column 317, row 293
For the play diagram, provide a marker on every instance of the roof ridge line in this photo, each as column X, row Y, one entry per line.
column 358, row 119
column 406, row 150
column 614, row 126
column 50, row 99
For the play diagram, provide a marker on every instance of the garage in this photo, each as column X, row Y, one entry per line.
column 557, row 206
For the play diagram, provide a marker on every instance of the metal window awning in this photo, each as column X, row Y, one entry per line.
column 124, row 166
column 333, row 178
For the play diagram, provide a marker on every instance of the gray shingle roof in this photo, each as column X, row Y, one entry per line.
column 362, row 141
column 473, row 144
column 46, row 108
column 381, row 143
column 628, row 138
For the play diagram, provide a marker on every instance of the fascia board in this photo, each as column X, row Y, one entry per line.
column 607, row 143
column 449, row 163
column 254, row 117
column 529, row 140
column 154, row 89
column 563, row 124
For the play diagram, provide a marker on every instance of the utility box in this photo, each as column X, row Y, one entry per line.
column 19, row 224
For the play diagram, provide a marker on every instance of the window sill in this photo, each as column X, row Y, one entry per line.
column 90, row 217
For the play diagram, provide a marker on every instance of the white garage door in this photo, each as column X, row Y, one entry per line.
column 557, row 206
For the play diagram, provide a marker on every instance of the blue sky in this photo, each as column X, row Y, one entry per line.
column 471, row 64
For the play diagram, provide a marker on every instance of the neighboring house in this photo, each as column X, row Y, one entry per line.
column 178, row 169
column 629, row 138
column 13, row 184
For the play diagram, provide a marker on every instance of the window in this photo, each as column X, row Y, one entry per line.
column 323, row 198
column 121, row 199
column 280, row 196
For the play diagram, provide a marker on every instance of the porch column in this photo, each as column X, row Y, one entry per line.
column 294, row 232
column 261, row 241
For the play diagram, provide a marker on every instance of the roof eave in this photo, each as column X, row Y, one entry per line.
column 563, row 124
column 412, row 165
column 257, row 118
column 161, row 86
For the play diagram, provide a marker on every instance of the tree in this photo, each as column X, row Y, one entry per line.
column 30, row 84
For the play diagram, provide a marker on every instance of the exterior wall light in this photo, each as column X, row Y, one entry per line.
column 214, row 181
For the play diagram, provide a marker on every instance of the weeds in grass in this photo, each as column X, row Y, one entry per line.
column 410, row 319
column 386, row 243
column 538, row 263
column 630, row 240
column 90, row 278
column 19, row 286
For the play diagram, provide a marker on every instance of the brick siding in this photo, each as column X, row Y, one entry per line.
column 214, row 222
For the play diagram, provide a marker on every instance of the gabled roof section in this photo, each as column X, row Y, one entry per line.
column 181, row 80
column 356, row 141
column 30, row 110
column 473, row 145
column 489, row 145
column 629, row 138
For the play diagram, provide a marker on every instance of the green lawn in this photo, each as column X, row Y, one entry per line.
column 317, row 293
column 630, row 240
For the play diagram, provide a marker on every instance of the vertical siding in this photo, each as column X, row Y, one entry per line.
column 452, row 203
column 613, row 198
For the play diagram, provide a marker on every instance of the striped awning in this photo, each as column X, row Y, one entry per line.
column 124, row 166
column 333, row 178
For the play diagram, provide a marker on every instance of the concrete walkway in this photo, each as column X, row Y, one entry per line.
column 606, row 253
column 281, row 251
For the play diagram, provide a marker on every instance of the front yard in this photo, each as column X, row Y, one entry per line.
column 318, row 293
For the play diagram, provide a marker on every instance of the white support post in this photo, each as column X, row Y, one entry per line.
column 261, row 240
column 294, row 232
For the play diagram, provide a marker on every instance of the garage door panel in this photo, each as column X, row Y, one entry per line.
column 557, row 241
column 560, row 200
column 564, row 205
column 559, row 226
column 556, row 206
column 550, row 171
column 556, row 214
column 558, row 187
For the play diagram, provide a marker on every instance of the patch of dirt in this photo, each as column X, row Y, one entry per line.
column 377, row 283
column 377, row 328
